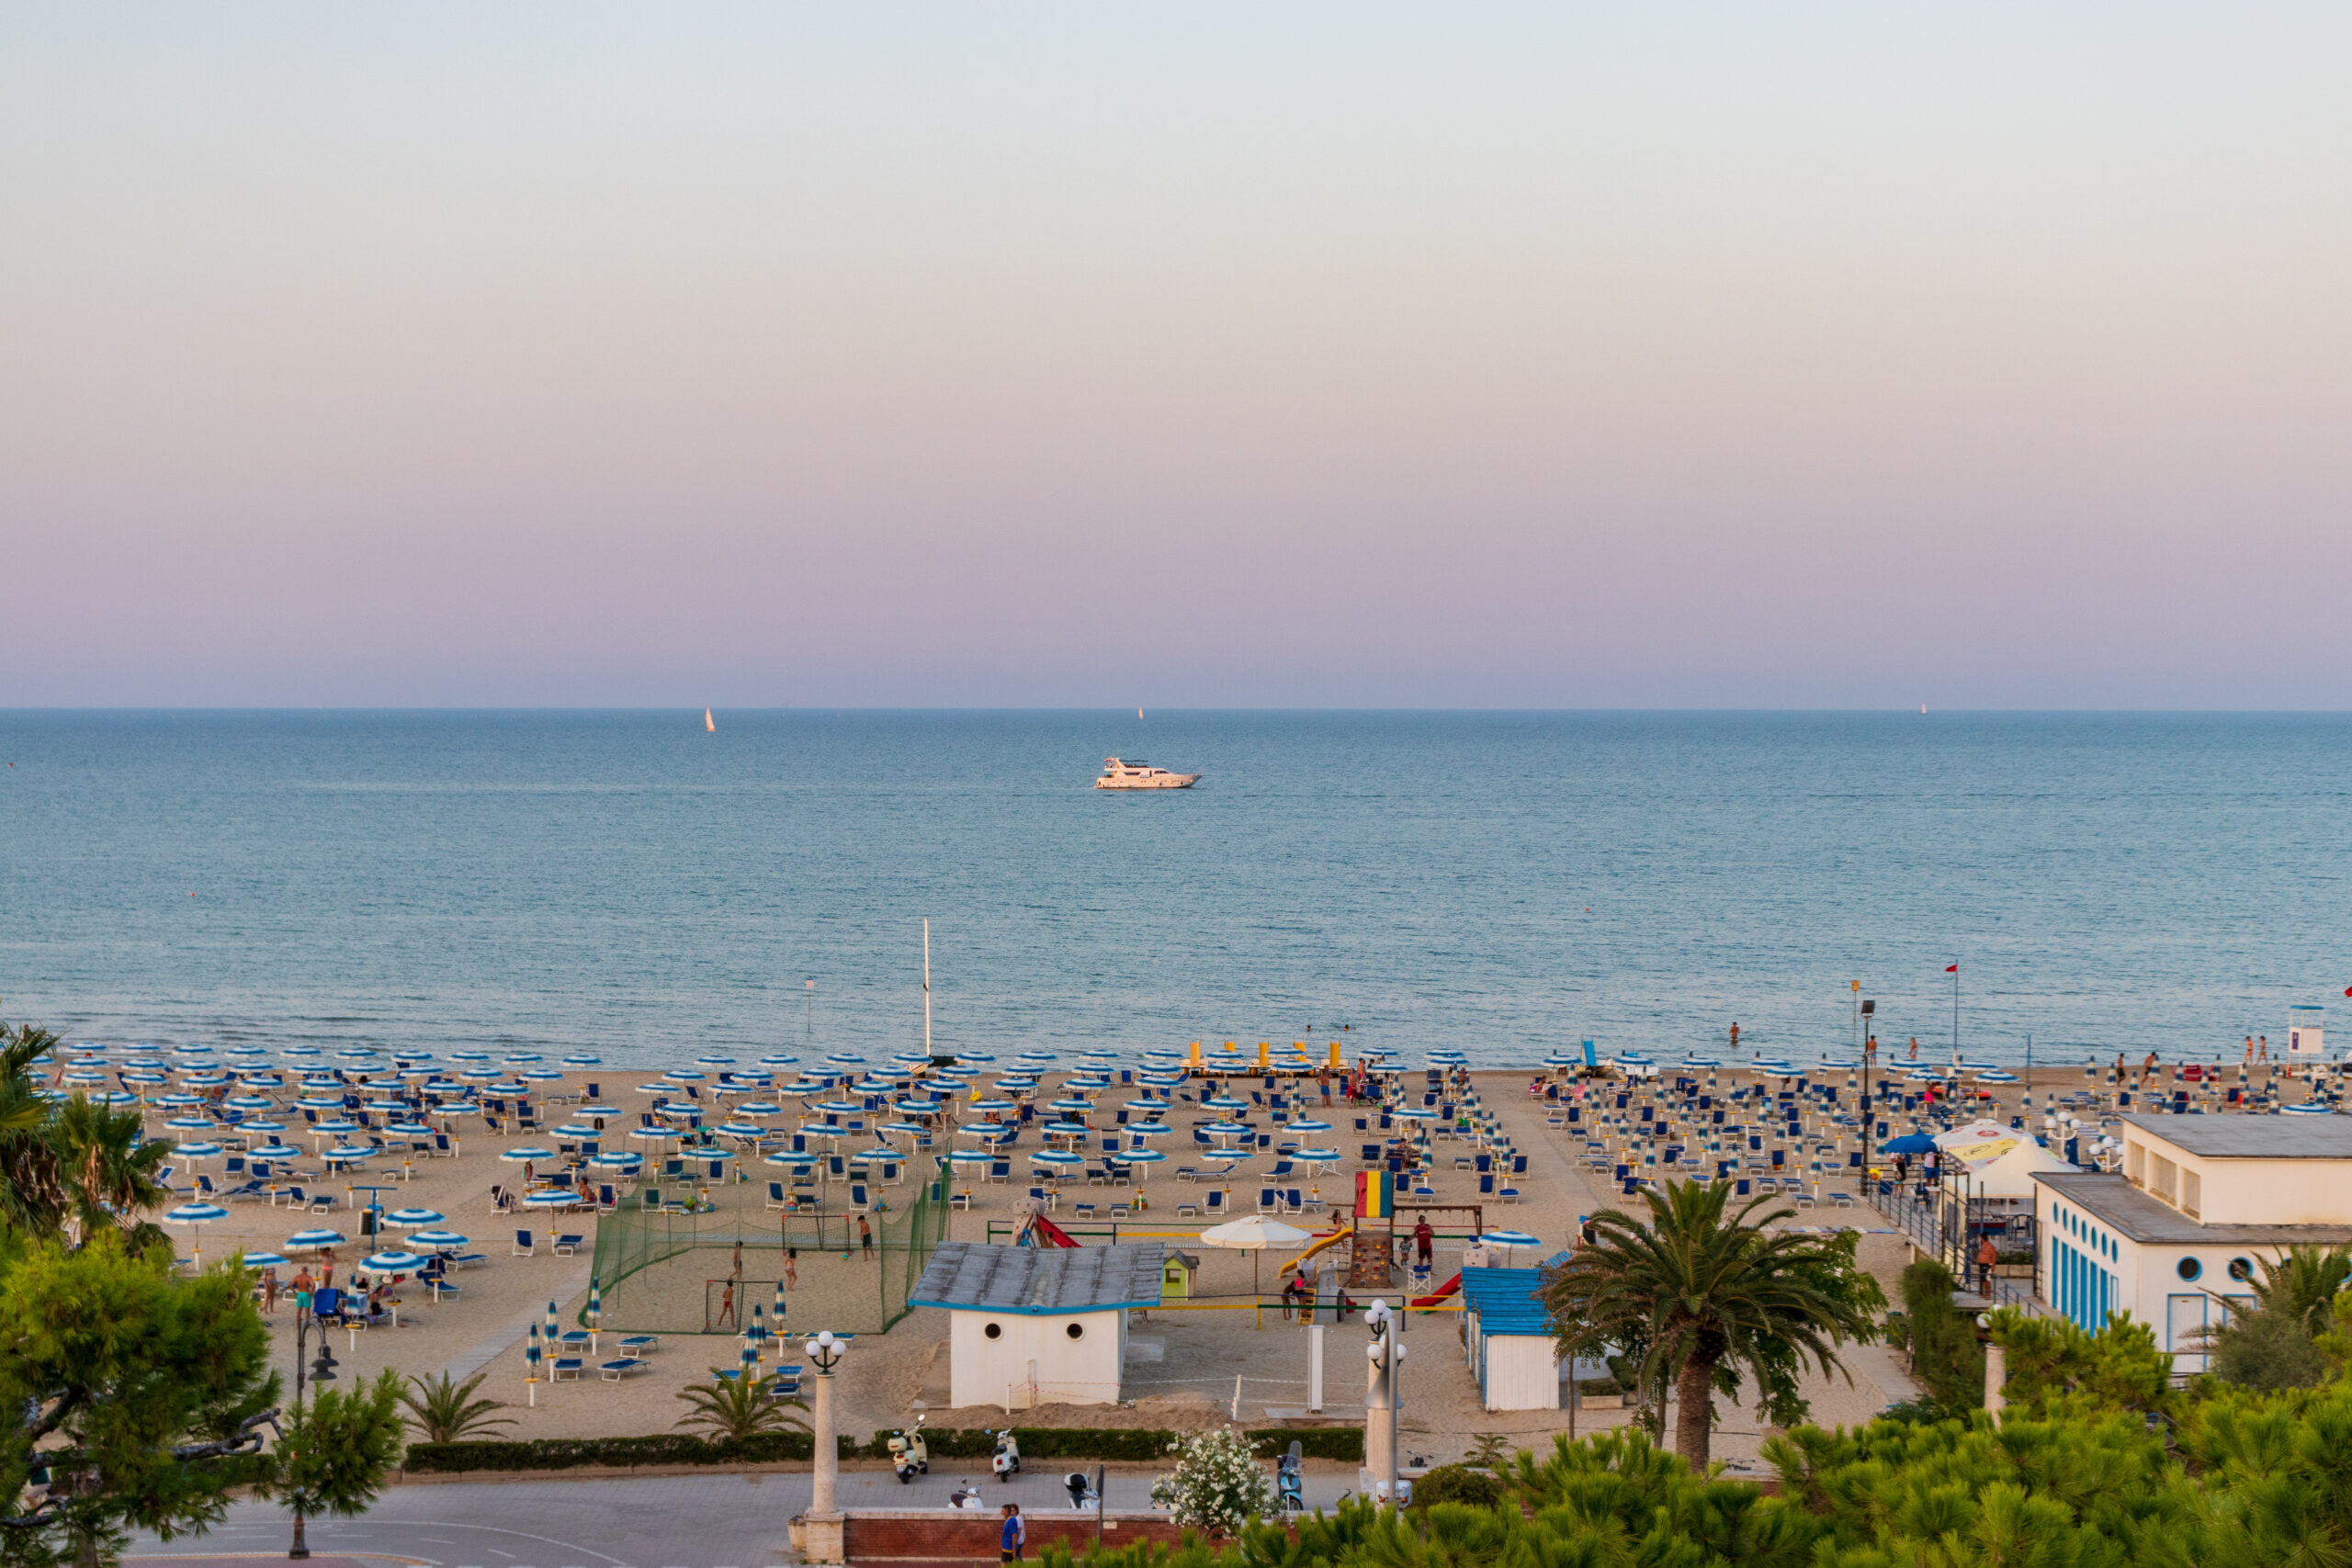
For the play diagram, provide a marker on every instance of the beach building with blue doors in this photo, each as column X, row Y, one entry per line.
column 2174, row 1236
column 1508, row 1339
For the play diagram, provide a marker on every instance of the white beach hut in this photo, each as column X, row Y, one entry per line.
column 1031, row 1325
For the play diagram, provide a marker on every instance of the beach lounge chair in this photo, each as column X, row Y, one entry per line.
column 1187, row 1210
column 565, row 1367
column 1291, row 1203
column 1268, row 1201
column 1217, row 1202
column 524, row 1242
column 323, row 1203
column 1188, row 1173
column 1000, row 1171
column 788, row 1383
column 566, row 1246
column 777, row 1200
column 1119, row 1210
column 640, row 1344
column 615, row 1370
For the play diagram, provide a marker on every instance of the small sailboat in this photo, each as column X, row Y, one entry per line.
column 708, row 727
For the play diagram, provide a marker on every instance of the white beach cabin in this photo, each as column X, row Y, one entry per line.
column 1030, row 1326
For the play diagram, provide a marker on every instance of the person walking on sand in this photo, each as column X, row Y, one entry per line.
column 2250, row 1053
column 727, row 1304
column 864, row 1237
column 791, row 1268
column 2262, row 1053
column 2147, row 1071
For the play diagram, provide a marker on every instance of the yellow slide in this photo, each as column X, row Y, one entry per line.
column 1347, row 1228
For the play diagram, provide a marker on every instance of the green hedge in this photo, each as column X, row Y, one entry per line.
column 1037, row 1443
column 568, row 1453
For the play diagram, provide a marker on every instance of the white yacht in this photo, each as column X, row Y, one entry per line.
column 1140, row 774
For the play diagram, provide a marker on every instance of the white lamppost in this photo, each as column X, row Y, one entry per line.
column 1383, row 1399
column 825, row 1353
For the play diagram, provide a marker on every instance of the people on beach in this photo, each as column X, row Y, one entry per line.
column 864, row 1237
column 1988, row 1254
column 1915, row 1047
column 1734, row 1034
column 1424, row 1240
column 1016, row 1535
column 791, row 1268
column 727, row 1304
column 269, row 1290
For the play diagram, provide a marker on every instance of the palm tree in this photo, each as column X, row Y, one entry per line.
column 2274, row 1344
column 729, row 1408
column 1697, row 1297
column 106, row 1165
column 32, row 1197
column 446, row 1411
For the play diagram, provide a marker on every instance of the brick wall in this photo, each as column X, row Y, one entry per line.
column 947, row 1535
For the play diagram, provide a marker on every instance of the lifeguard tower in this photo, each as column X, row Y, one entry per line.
column 2306, row 1030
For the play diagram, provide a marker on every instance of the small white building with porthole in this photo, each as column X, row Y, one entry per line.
column 1031, row 1325
column 2173, row 1237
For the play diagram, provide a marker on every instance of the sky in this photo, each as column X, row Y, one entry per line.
column 1555, row 356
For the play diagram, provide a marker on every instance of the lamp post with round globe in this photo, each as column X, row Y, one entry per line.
column 1381, row 1399
column 824, row 1354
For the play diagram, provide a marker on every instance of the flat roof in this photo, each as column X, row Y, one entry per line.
column 2253, row 1137
column 968, row 1276
column 2142, row 1218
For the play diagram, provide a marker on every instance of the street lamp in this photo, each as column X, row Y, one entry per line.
column 824, row 1352
column 1383, row 1399
column 320, row 1370
column 1870, row 1008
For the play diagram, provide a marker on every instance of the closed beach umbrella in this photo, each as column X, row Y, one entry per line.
column 779, row 1306
column 553, row 1334
column 595, row 1302
column 531, row 1355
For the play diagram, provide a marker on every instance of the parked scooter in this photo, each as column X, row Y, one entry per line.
column 910, row 1455
column 967, row 1496
column 1007, row 1460
column 1081, row 1491
column 1290, row 1481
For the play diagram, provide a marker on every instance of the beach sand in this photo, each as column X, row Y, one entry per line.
column 1182, row 1365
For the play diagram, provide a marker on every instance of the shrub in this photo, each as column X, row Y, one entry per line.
column 1457, row 1483
column 1944, row 1352
column 1217, row 1485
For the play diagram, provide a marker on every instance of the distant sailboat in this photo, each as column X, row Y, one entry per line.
column 1138, row 713
column 708, row 727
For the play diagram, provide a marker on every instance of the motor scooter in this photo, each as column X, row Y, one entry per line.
column 967, row 1496
column 1007, row 1460
column 1081, row 1491
column 910, row 1455
column 1290, row 1481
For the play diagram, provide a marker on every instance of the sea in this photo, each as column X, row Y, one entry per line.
column 1504, row 885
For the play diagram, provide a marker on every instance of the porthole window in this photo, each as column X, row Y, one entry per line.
column 2189, row 1268
column 1076, row 1331
column 2241, row 1269
column 994, row 1331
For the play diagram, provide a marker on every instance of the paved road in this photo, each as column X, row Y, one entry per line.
column 687, row 1521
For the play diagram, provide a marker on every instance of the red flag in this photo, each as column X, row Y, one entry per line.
column 1954, row 969
column 2347, row 990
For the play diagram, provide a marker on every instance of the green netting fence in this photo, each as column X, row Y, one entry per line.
column 665, row 1269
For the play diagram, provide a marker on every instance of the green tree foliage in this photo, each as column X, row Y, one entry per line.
column 108, row 1363
column 1700, row 1296
column 337, row 1450
column 1945, row 1355
column 728, row 1408
column 446, row 1411
column 2056, row 1366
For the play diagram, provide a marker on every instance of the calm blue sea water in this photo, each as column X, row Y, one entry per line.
column 1495, row 883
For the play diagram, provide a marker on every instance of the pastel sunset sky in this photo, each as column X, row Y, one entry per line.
column 1184, row 355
